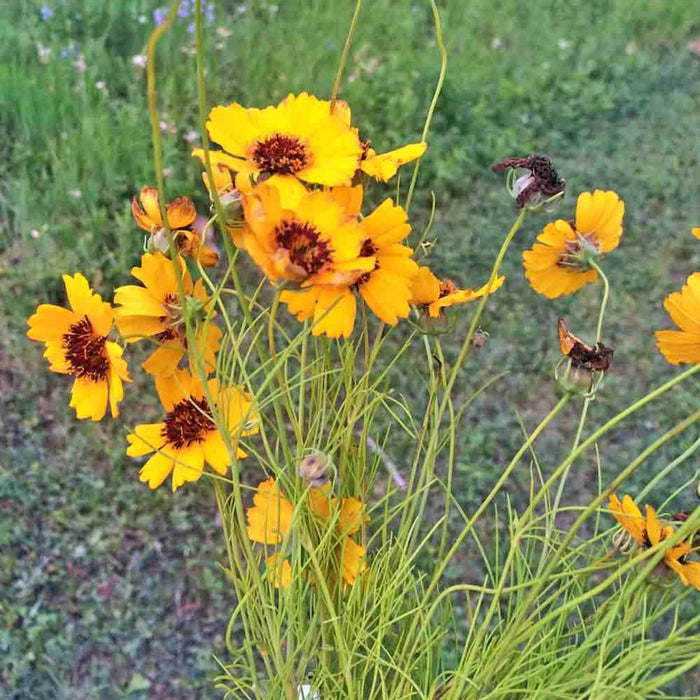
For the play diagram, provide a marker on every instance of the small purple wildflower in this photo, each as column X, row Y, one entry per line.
column 46, row 13
column 159, row 15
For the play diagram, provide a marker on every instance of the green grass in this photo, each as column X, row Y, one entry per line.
column 608, row 89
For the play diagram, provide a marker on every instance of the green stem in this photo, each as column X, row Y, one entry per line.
column 344, row 56
column 433, row 102
column 435, row 580
column 604, row 301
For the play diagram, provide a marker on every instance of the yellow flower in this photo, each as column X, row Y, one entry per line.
column 270, row 518
column 76, row 344
column 180, row 214
column 684, row 309
column 279, row 571
column 695, row 232
column 302, row 237
column 383, row 166
column 648, row 532
column 352, row 560
column 188, row 437
column 385, row 287
column 156, row 311
column 299, row 137
column 434, row 294
column 380, row 166
column 557, row 264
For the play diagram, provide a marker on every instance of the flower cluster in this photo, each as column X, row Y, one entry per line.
column 298, row 168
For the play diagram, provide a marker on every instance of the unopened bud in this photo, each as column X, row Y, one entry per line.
column 575, row 379
column 314, row 469
column 429, row 325
column 232, row 206
column 480, row 338
column 158, row 241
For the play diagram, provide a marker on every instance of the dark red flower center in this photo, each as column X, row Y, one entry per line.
column 304, row 245
column 282, row 155
column 187, row 423
column 368, row 248
column 85, row 351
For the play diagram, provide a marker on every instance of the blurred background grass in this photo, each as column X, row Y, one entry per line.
column 111, row 590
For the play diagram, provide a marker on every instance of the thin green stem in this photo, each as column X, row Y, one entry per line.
column 604, row 301
column 436, row 94
column 344, row 55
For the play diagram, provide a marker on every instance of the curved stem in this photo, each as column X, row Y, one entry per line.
column 433, row 102
column 603, row 303
column 344, row 56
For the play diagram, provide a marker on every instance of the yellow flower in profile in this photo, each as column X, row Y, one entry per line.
column 433, row 294
column 684, row 309
column 383, row 166
column 299, row 137
column 380, row 166
column 695, row 232
column 188, row 437
column 181, row 215
column 76, row 344
column 270, row 518
column 301, row 237
column 156, row 311
column 648, row 532
column 559, row 262
column 385, row 286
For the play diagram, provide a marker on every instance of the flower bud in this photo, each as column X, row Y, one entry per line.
column 314, row 469
column 232, row 206
column 430, row 325
column 158, row 242
column 575, row 379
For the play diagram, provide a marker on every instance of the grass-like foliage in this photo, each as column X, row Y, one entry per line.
column 355, row 574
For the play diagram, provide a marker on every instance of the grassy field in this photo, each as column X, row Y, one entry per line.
column 110, row 590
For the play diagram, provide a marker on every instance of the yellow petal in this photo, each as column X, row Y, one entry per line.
column 146, row 438
column 384, row 166
column 89, row 399
column 156, row 470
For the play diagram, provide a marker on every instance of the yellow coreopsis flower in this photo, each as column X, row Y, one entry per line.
column 180, row 214
column 558, row 263
column 385, row 288
column 299, row 137
column 76, row 344
column 156, row 311
column 301, row 237
column 648, row 532
column 188, row 437
column 270, row 518
column 684, row 308
column 429, row 292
